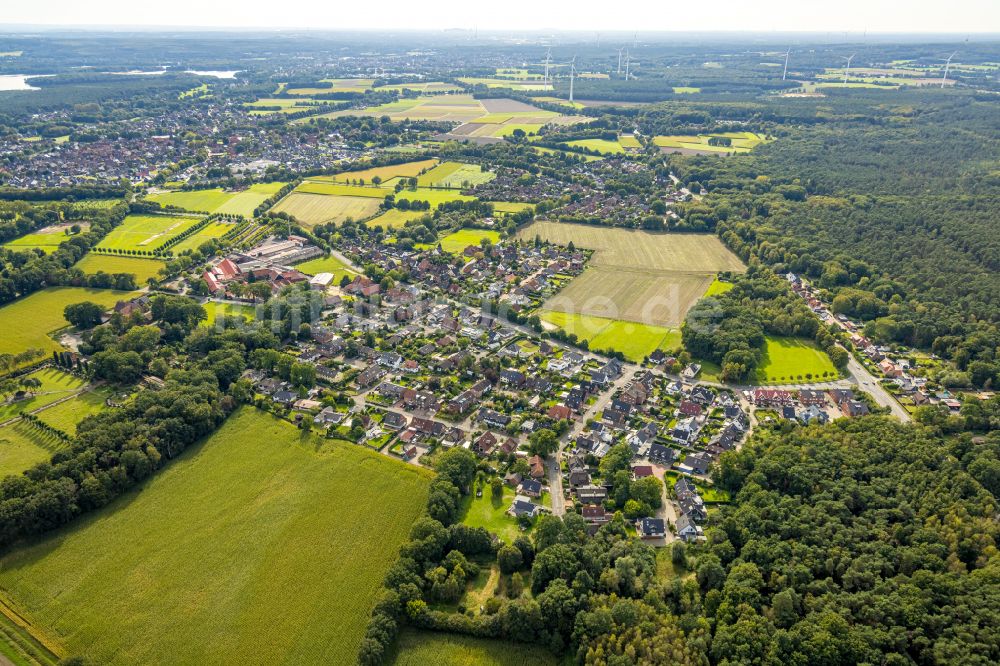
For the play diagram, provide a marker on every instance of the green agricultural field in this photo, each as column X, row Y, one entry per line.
column 458, row 108
column 552, row 151
column 344, row 190
column 395, row 218
column 328, row 264
column 742, row 142
column 210, row 231
column 510, row 206
column 634, row 340
column 791, row 360
column 214, row 309
column 24, row 445
column 629, row 141
column 56, row 385
column 313, row 209
column 27, row 322
column 146, row 232
column 455, row 174
column 417, row 648
column 218, row 200
column 404, row 170
column 66, row 415
column 141, row 268
column 718, row 287
column 600, row 145
column 262, row 544
column 458, row 241
column 434, row 197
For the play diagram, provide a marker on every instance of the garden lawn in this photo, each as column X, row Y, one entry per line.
column 489, row 513
column 56, row 385
column 141, row 268
column 787, row 360
column 458, row 241
column 261, row 544
column 27, row 321
column 66, row 415
column 214, row 309
column 418, row 648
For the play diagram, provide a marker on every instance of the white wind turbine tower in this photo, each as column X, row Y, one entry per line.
column 548, row 58
column 785, row 72
column 947, row 66
column 847, row 68
column 620, row 60
column 628, row 65
column 572, row 75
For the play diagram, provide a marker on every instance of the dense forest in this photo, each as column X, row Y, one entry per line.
column 865, row 541
column 893, row 204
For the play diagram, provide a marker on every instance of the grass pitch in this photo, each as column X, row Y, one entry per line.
column 791, row 360
column 146, row 232
column 260, row 545
column 27, row 321
column 141, row 268
column 313, row 209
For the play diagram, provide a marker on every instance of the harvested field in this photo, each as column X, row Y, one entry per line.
column 637, row 276
column 313, row 209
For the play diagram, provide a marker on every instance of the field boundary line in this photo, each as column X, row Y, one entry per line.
column 37, row 634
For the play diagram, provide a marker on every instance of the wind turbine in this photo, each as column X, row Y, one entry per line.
column 947, row 66
column 847, row 68
column 572, row 75
column 548, row 58
column 620, row 59
column 785, row 72
column 628, row 64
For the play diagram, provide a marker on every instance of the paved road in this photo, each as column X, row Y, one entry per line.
column 871, row 385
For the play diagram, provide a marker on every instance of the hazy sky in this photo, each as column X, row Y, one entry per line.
column 961, row 16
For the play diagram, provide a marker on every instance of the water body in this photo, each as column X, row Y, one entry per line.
column 217, row 73
column 17, row 81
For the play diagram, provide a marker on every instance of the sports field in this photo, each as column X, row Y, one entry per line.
column 146, row 232
column 141, row 268
column 637, row 276
column 27, row 321
column 417, row 648
column 635, row 341
column 458, row 241
column 260, row 545
column 46, row 240
column 313, row 209
column 455, row 174
column 218, row 200
column 742, row 142
column 328, row 264
column 790, row 360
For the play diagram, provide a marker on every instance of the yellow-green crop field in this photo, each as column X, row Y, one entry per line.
column 141, row 268
column 217, row 200
column 455, row 175
column 262, row 544
column 395, row 218
column 742, row 142
column 313, row 209
column 147, row 232
column 404, row 170
column 27, row 322
column 602, row 146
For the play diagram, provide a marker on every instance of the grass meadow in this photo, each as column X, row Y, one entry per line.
column 742, row 142
column 490, row 513
column 208, row 232
column 66, row 415
column 217, row 200
column 27, row 322
column 459, row 240
column 790, row 360
column 261, row 544
column 56, row 385
column 602, row 146
column 215, row 309
column 395, row 218
column 718, row 287
column 24, row 445
column 404, row 170
column 141, row 268
column 455, row 175
column 635, row 341
column 417, row 648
